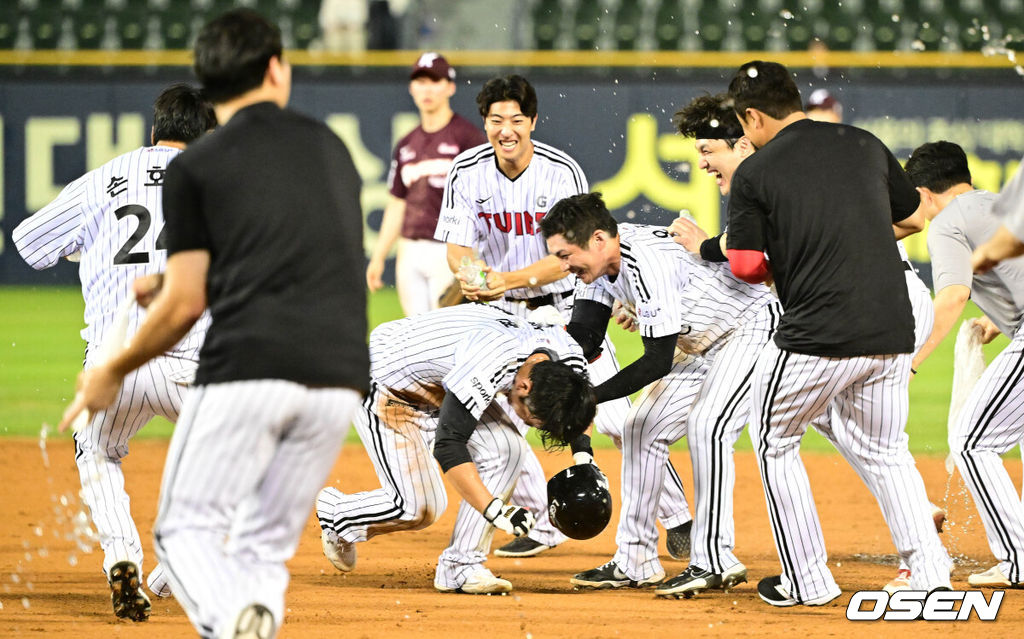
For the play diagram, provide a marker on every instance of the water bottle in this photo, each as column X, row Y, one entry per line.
column 471, row 273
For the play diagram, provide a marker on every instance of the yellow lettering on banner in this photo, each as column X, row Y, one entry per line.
column 986, row 174
column 101, row 144
column 42, row 134
column 641, row 174
column 371, row 169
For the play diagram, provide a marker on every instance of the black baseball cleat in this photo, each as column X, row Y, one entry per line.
column 771, row 592
column 521, row 547
column 694, row 580
column 677, row 541
column 130, row 601
column 609, row 576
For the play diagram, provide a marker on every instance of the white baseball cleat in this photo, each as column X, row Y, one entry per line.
column 157, row 582
column 900, row 582
column 340, row 553
column 992, row 578
column 254, row 622
column 480, row 582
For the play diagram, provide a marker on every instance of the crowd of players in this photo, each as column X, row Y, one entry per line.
column 805, row 312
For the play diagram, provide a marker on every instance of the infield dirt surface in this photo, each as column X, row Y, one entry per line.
column 48, row 585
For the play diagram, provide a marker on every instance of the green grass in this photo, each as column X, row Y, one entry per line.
column 41, row 353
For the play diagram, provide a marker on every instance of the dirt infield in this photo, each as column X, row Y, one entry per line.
column 49, row 585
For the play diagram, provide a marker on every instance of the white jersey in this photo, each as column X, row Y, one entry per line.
column 674, row 291
column 499, row 217
column 471, row 350
column 114, row 216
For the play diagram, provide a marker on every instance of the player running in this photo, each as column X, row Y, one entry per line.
column 450, row 379
column 112, row 218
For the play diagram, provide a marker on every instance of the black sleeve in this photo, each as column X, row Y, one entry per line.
column 711, row 249
column 454, row 428
column 581, row 444
column 655, row 363
column 183, row 221
column 588, row 325
column 903, row 197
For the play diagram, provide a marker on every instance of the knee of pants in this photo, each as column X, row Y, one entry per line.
column 428, row 512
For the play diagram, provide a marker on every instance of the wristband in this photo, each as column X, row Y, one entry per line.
column 711, row 250
column 493, row 509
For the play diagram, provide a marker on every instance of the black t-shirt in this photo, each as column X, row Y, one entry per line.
column 820, row 199
column 274, row 197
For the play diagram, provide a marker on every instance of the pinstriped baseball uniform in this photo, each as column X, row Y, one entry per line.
column 113, row 215
column 474, row 351
column 499, row 218
column 722, row 322
column 991, row 421
column 820, row 199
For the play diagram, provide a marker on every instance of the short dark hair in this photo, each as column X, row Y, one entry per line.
column 938, row 166
column 563, row 400
column 767, row 87
column 510, row 87
column 232, row 53
column 709, row 117
column 182, row 114
column 577, row 217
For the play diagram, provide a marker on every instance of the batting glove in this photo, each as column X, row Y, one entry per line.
column 514, row 520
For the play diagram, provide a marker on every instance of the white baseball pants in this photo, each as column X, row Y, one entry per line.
column 790, row 390
column 421, row 274
column 244, row 466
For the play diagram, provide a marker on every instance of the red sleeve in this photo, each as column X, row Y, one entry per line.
column 748, row 265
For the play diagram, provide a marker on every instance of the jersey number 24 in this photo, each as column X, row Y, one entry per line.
column 142, row 215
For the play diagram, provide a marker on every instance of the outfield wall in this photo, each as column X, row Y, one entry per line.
column 63, row 116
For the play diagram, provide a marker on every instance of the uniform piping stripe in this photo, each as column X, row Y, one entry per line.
column 988, row 503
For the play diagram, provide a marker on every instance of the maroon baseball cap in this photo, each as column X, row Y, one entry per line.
column 822, row 99
column 433, row 65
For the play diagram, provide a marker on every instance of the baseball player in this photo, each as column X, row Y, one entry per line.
column 494, row 200
column 847, row 331
column 1007, row 241
column 416, row 182
column 989, row 422
column 263, row 424
column 436, row 380
column 112, row 219
column 720, row 324
column 718, row 137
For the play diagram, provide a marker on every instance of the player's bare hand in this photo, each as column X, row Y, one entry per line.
column 147, row 287
column 687, row 234
column 374, row 275
column 625, row 316
column 96, row 389
column 988, row 329
column 982, row 261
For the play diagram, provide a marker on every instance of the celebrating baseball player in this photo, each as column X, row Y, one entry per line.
column 719, row 323
column 989, row 422
column 719, row 140
column 847, row 331
column 495, row 198
column 112, row 218
column 416, row 183
column 283, row 365
column 449, row 379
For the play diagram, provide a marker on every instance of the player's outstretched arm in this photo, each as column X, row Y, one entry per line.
column 1002, row 246
column 390, row 228
column 949, row 304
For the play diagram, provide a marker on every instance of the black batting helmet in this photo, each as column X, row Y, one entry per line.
column 579, row 502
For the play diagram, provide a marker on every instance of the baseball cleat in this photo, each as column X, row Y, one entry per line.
column 340, row 553
column 939, row 517
column 521, row 547
column 900, row 582
column 694, row 580
column 130, row 601
column 677, row 541
column 992, row 578
column 609, row 576
column 772, row 592
column 480, row 582
column 157, row 582
column 254, row 622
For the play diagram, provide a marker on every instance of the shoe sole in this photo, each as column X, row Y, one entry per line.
column 529, row 553
column 793, row 602
column 688, row 591
column 255, row 622
column 498, row 590
column 613, row 585
column 125, row 592
column 326, row 546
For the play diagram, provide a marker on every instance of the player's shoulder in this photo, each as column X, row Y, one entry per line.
column 556, row 157
column 966, row 208
column 473, row 158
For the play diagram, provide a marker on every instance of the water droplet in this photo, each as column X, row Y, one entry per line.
column 917, row 45
column 752, row 72
column 895, row 17
column 785, row 14
column 24, row 603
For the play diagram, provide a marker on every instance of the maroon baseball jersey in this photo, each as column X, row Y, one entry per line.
column 419, row 167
